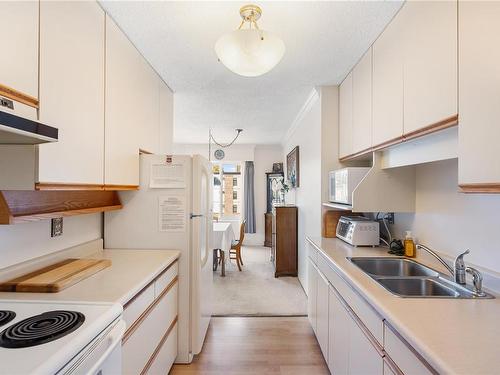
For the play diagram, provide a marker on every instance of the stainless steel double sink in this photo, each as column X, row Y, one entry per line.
column 408, row 278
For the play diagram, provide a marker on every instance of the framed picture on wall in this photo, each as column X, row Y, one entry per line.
column 292, row 167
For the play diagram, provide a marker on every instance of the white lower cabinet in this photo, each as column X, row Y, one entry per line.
column 338, row 347
column 364, row 358
column 353, row 338
column 351, row 352
column 149, row 345
column 322, row 314
column 312, row 293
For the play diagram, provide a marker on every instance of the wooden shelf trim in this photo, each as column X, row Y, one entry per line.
column 440, row 125
column 21, row 206
column 56, row 186
column 18, row 96
column 480, row 188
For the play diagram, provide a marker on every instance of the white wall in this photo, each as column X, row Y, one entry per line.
column 265, row 156
column 451, row 222
column 306, row 133
column 22, row 242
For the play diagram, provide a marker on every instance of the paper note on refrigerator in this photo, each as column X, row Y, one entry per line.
column 165, row 176
column 172, row 213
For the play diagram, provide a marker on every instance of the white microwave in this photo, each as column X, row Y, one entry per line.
column 343, row 182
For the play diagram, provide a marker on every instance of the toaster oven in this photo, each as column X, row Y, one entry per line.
column 358, row 231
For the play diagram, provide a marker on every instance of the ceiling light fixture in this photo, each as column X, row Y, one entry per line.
column 250, row 52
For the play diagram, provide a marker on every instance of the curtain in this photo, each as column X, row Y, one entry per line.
column 249, row 198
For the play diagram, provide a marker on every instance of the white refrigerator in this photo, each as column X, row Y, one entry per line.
column 173, row 210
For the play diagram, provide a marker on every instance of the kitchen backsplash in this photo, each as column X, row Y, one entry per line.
column 22, row 242
column 451, row 222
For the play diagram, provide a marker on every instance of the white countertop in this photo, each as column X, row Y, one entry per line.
column 130, row 271
column 459, row 336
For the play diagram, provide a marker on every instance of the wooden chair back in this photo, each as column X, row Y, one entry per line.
column 242, row 232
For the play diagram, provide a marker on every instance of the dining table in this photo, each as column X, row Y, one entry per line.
column 222, row 239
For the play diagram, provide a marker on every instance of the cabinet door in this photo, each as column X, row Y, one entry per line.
column 479, row 98
column 322, row 315
column 123, row 117
column 72, row 91
column 388, row 84
column 364, row 359
column 166, row 119
column 19, row 62
column 345, row 117
column 338, row 337
column 430, row 62
column 312, row 293
column 362, row 104
column 149, row 106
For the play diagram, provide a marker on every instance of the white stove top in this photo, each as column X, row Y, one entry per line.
column 50, row 357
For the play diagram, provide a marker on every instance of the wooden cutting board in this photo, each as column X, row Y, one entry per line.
column 54, row 278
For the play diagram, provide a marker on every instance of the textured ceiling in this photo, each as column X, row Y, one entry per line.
column 323, row 40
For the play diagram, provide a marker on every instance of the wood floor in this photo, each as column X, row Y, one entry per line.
column 243, row 346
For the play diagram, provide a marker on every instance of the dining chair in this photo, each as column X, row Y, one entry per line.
column 235, row 250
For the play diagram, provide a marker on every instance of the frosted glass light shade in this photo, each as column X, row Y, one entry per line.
column 249, row 52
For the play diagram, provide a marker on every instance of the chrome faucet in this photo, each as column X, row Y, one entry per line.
column 458, row 272
column 441, row 260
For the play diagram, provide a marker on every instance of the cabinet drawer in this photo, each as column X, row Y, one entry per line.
column 136, row 306
column 403, row 355
column 166, row 278
column 313, row 253
column 140, row 342
column 363, row 310
column 165, row 354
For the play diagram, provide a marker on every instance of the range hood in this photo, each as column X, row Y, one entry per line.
column 15, row 130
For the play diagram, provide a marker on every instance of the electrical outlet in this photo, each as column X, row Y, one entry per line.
column 56, row 227
column 389, row 216
column 6, row 103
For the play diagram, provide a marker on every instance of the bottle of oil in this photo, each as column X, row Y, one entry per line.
column 409, row 245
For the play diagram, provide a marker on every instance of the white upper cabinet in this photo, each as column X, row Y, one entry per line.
column 166, row 119
column 19, row 58
column 362, row 104
column 430, row 62
column 479, row 95
column 72, row 91
column 123, row 115
column 388, row 84
column 149, row 105
column 345, row 117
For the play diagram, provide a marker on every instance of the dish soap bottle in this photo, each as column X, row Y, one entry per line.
column 409, row 245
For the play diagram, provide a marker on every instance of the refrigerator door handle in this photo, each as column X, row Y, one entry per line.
column 192, row 216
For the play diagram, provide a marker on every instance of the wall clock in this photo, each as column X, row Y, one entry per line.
column 219, row 154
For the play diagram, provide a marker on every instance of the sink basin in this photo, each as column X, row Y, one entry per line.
column 392, row 267
column 408, row 278
column 418, row 287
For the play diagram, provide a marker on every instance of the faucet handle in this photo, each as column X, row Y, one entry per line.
column 477, row 281
column 460, row 268
column 459, row 260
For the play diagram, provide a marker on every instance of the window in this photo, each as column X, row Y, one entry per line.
column 228, row 178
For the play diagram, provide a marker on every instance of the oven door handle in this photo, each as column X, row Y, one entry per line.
column 114, row 339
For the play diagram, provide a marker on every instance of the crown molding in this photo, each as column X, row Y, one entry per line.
column 306, row 107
